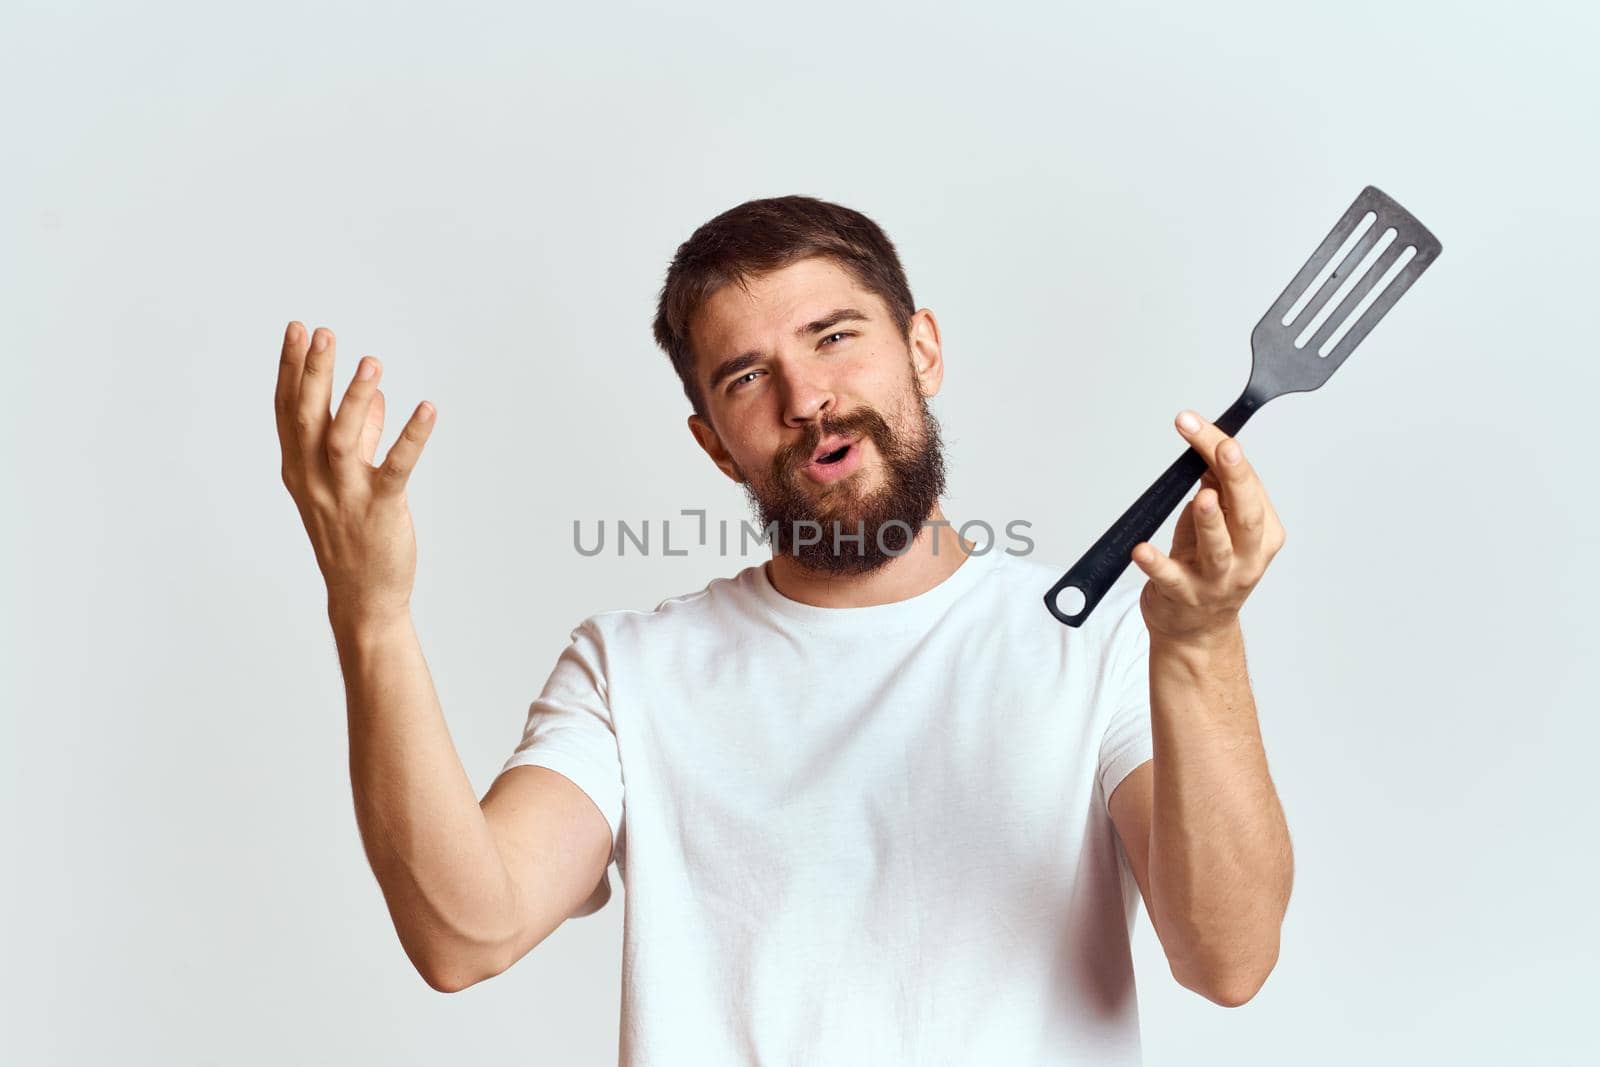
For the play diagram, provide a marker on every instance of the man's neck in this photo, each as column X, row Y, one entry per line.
column 904, row 576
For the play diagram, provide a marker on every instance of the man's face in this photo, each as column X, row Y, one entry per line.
column 789, row 382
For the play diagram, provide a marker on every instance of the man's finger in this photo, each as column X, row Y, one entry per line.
column 1166, row 572
column 372, row 429
column 1213, row 541
column 316, row 389
column 344, row 433
column 1246, row 498
column 1243, row 497
column 403, row 454
column 1183, row 533
column 286, row 398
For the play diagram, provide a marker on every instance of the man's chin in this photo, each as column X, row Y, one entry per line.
column 858, row 540
column 842, row 566
column 821, row 558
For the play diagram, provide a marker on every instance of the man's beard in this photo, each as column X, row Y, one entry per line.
column 806, row 511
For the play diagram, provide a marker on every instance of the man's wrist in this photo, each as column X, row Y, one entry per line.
column 360, row 626
column 1202, row 649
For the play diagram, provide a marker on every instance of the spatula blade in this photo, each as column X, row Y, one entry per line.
column 1365, row 264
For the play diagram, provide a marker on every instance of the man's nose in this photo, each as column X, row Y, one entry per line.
column 806, row 397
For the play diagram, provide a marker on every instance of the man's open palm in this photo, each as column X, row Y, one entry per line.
column 355, row 513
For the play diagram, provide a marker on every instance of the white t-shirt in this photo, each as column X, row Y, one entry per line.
column 863, row 835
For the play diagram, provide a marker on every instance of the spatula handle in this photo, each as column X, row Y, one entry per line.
column 1103, row 564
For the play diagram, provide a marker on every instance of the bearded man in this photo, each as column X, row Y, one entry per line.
column 870, row 802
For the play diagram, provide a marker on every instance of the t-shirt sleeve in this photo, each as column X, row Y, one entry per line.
column 569, row 730
column 1126, row 742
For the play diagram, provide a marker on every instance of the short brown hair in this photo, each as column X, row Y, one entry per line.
column 765, row 235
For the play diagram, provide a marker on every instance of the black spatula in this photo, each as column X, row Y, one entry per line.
column 1366, row 262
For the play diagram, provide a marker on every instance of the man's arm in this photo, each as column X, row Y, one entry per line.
column 1201, row 823
column 1202, row 827
column 448, row 891
column 460, row 906
column 471, row 888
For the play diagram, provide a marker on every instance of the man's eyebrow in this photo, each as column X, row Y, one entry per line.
column 735, row 364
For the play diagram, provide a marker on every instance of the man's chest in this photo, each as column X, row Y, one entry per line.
column 932, row 778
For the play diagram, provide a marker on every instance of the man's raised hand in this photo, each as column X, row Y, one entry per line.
column 355, row 513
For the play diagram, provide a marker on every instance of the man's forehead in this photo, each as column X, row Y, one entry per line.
column 776, row 302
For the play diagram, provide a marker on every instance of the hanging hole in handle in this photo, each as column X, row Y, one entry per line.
column 1070, row 600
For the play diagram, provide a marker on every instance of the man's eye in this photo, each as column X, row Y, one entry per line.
column 739, row 381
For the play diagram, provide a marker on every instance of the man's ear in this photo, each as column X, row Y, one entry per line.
column 708, row 440
column 927, row 355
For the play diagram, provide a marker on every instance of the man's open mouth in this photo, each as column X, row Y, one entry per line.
column 835, row 450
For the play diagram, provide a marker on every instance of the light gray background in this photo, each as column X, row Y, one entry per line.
column 1097, row 203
